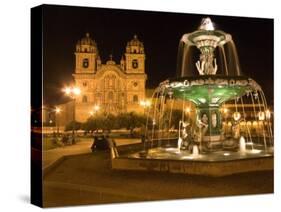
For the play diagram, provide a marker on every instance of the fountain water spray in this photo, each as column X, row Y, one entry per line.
column 242, row 145
column 195, row 151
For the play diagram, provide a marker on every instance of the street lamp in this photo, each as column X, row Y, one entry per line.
column 72, row 92
column 145, row 104
column 57, row 111
column 96, row 108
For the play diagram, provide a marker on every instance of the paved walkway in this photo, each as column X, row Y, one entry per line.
column 50, row 156
column 84, row 146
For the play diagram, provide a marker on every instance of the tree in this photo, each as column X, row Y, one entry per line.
column 130, row 121
column 90, row 125
column 102, row 122
column 73, row 125
column 108, row 122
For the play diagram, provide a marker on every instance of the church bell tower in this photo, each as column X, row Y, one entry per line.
column 135, row 56
column 86, row 56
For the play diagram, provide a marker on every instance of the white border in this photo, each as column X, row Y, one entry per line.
column 15, row 86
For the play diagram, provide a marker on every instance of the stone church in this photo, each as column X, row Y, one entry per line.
column 112, row 87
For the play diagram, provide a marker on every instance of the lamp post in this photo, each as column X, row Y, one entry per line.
column 72, row 92
column 57, row 110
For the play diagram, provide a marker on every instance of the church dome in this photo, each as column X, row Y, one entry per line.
column 135, row 46
column 86, row 44
column 87, row 40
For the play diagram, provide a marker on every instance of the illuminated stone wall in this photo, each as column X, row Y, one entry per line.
column 114, row 88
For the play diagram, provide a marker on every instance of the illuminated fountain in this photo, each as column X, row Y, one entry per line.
column 211, row 111
column 207, row 87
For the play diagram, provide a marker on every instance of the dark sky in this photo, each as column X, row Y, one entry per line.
column 160, row 32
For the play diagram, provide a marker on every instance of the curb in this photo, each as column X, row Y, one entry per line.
column 57, row 162
column 53, row 165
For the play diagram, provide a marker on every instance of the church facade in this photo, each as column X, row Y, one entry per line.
column 108, row 87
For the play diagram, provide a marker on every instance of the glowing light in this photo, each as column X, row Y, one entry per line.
column 57, row 110
column 72, row 91
column 145, row 103
column 96, row 108
column 67, row 90
column 187, row 157
column 261, row 115
column 187, row 110
column 226, row 154
column 236, row 116
column 225, row 110
column 76, row 91
column 267, row 114
column 254, row 151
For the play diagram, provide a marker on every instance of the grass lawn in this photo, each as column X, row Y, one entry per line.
column 48, row 143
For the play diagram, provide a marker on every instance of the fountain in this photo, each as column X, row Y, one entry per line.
column 203, row 113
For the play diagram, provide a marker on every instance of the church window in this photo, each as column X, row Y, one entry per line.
column 84, row 99
column 135, row 98
column 110, row 97
column 98, row 98
column 135, row 84
column 85, row 63
column 135, row 63
column 110, row 81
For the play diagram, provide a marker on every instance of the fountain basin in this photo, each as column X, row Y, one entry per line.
column 171, row 160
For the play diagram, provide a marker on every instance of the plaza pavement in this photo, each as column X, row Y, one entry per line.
column 81, row 147
column 89, row 179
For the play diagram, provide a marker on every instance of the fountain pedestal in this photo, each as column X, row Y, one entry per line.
column 209, row 126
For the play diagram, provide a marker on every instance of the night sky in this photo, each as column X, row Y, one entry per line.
column 160, row 32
